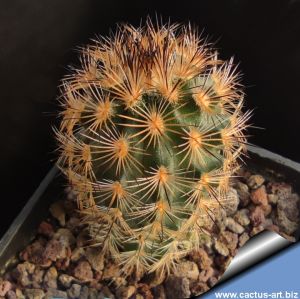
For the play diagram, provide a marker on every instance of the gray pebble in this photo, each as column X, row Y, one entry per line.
column 74, row 291
column 56, row 293
column 34, row 293
column 177, row 287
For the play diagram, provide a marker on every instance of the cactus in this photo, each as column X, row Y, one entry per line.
column 152, row 131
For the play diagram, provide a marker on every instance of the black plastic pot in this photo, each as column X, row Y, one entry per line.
column 24, row 227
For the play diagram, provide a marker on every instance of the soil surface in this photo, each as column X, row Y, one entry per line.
column 57, row 264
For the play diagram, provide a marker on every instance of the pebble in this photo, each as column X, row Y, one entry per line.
column 5, row 286
column 177, row 287
column 57, row 210
column 233, row 226
column 255, row 181
column 267, row 209
column 221, row 248
column 55, row 249
column 232, row 202
column 34, row 253
column 66, row 280
column 285, row 224
column 65, row 236
column 205, row 275
column 84, row 292
column 242, row 217
column 37, row 278
column 243, row 193
column 46, row 229
column 288, row 214
column 19, row 294
column 11, row 295
column 83, row 271
column 290, row 207
column 54, row 293
column 220, row 223
column 257, row 216
column 74, row 291
column 282, row 190
column 259, row 196
column 201, row 258
column 34, row 293
column 243, row 239
column 23, row 273
column 231, row 241
column 50, row 279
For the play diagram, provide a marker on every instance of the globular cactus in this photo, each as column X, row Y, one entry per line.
column 151, row 133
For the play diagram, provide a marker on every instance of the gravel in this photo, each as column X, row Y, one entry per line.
column 58, row 264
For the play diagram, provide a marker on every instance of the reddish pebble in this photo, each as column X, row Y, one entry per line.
column 259, row 196
column 257, row 216
column 46, row 229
